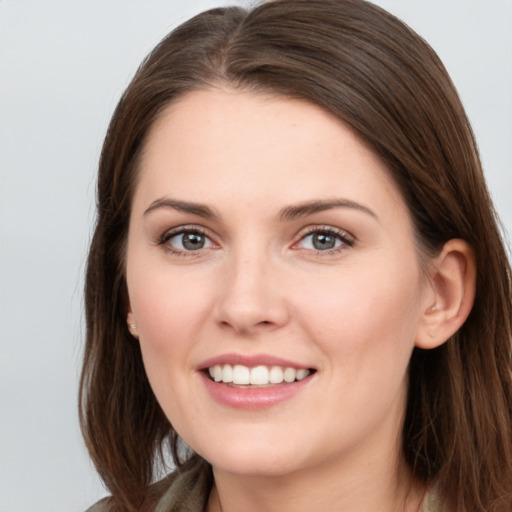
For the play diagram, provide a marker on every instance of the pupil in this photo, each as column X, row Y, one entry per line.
column 193, row 241
column 321, row 241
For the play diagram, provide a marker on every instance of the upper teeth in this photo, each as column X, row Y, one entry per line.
column 261, row 375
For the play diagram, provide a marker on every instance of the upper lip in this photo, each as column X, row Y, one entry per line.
column 250, row 361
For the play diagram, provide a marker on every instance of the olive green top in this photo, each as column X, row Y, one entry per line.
column 187, row 490
column 431, row 503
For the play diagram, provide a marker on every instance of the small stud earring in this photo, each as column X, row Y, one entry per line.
column 133, row 331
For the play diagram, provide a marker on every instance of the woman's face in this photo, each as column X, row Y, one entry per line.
column 268, row 244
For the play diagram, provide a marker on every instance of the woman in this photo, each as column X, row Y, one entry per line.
column 296, row 281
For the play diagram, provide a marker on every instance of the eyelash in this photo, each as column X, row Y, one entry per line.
column 168, row 235
column 346, row 240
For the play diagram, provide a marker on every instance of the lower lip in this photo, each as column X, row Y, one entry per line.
column 253, row 398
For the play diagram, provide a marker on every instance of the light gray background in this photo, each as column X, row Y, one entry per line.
column 63, row 66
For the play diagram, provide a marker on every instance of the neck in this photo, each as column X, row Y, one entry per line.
column 366, row 473
column 371, row 489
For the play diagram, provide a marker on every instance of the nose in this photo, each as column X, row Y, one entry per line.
column 251, row 298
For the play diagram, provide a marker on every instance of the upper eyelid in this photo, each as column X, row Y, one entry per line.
column 184, row 228
column 326, row 228
column 178, row 230
column 163, row 241
column 347, row 240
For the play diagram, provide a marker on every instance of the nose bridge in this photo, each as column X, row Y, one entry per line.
column 250, row 298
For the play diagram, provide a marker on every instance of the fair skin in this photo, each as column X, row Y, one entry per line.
column 265, row 232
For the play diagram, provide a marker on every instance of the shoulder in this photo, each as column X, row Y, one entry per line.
column 432, row 503
column 186, row 489
column 100, row 506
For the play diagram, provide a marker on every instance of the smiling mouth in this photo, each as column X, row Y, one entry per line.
column 240, row 375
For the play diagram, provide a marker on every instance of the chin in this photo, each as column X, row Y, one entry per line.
column 246, row 459
column 257, row 467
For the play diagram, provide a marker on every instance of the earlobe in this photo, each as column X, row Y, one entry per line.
column 132, row 326
column 453, row 280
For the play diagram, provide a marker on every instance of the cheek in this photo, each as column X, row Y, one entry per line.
column 168, row 308
column 169, row 313
column 365, row 325
column 351, row 309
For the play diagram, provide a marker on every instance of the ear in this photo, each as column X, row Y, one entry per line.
column 452, row 277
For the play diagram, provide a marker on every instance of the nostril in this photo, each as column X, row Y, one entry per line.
column 265, row 323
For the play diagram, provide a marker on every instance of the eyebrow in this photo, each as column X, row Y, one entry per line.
column 183, row 206
column 288, row 213
column 316, row 206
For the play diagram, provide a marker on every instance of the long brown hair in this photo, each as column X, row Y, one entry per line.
column 373, row 72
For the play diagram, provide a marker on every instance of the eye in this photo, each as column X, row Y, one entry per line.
column 186, row 240
column 325, row 240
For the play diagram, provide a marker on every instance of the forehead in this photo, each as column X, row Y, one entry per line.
column 216, row 145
